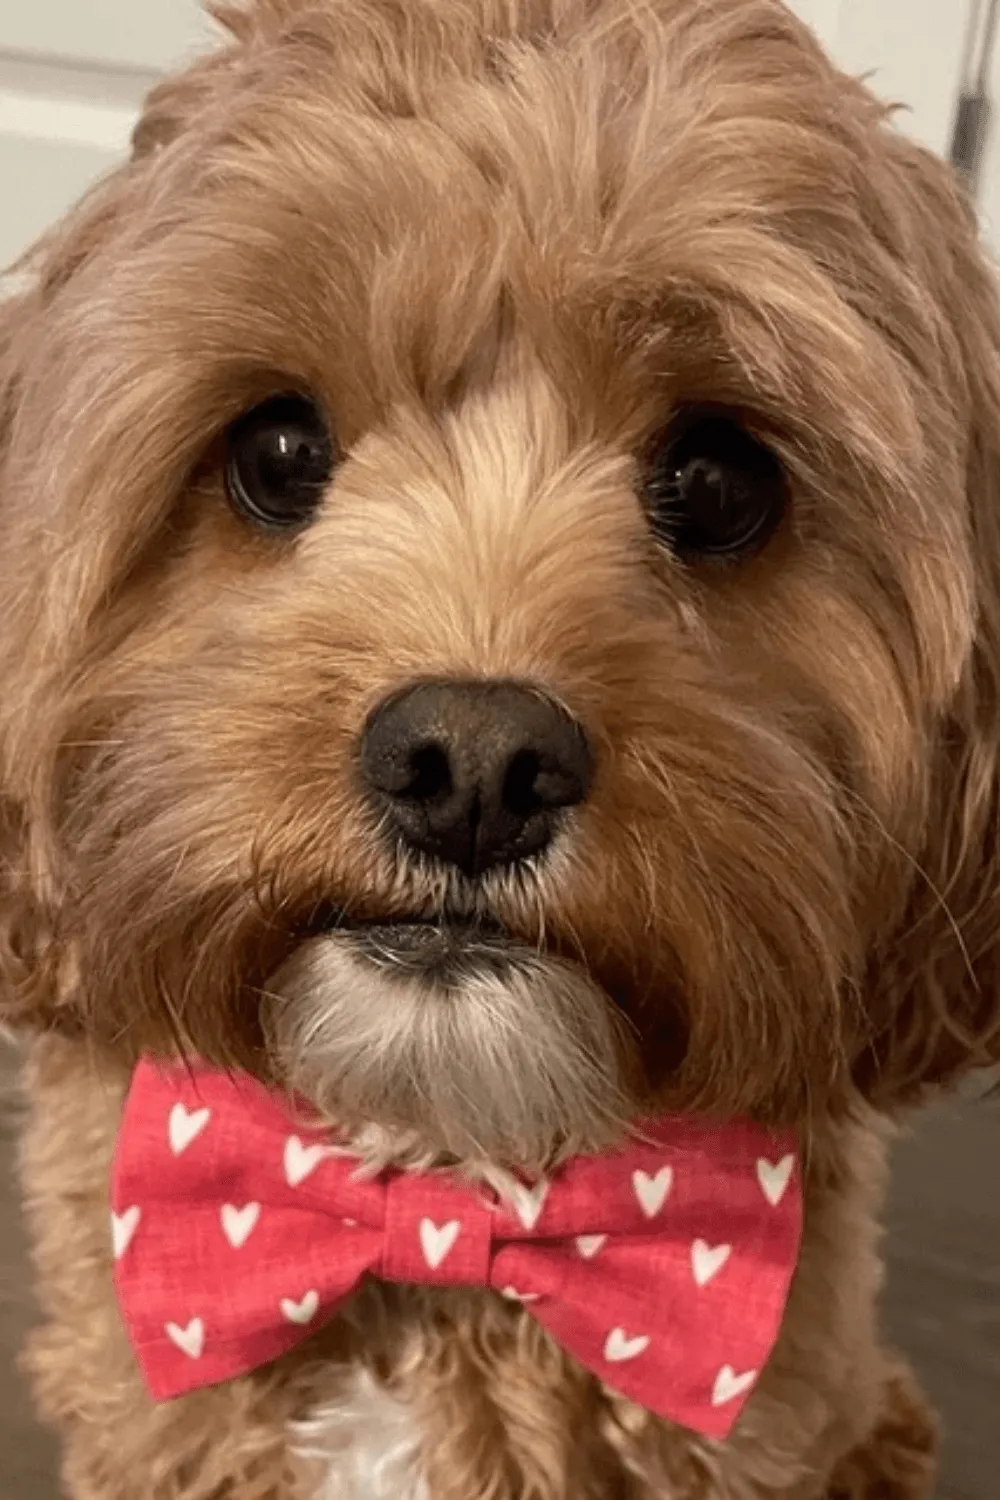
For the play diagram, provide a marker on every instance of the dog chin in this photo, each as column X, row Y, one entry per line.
column 451, row 1043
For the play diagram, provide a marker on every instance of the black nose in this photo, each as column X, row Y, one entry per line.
column 475, row 773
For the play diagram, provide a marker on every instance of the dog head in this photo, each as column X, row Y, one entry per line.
column 501, row 578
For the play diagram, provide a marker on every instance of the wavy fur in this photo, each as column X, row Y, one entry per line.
column 503, row 240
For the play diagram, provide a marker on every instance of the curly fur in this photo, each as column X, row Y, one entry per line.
column 503, row 240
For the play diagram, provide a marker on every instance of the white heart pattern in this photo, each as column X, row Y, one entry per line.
column 190, row 1339
column 774, row 1177
column 123, row 1227
column 708, row 1260
column 301, row 1312
column 437, row 1240
column 618, row 1347
column 238, row 1224
column 513, row 1295
column 529, row 1202
column 301, row 1160
column 652, row 1192
column 185, row 1125
column 590, row 1245
column 729, row 1385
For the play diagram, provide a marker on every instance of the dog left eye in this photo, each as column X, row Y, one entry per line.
column 279, row 459
column 713, row 489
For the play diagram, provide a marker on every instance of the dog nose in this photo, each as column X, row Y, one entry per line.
column 475, row 773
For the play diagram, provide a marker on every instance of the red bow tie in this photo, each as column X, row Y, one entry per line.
column 664, row 1267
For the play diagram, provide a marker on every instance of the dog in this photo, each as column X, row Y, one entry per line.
column 501, row 586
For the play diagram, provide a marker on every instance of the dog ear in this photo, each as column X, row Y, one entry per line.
column 33, row 970
column 935, row 983
column 36, row 979
column 20, row 302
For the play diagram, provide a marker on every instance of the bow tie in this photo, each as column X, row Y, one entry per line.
column 663, row 1267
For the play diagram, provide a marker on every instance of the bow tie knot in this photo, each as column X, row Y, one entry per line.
column 452, row 1248
column 663, row 1266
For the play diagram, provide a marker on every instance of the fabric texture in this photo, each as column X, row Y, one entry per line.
column 237, row 1229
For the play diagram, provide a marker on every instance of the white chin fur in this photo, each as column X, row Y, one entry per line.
column 512, row 1059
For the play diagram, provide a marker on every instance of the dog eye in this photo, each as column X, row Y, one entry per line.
column 713, row 489
column 279, row 459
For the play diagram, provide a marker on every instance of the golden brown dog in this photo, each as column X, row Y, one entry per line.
column 515, row 477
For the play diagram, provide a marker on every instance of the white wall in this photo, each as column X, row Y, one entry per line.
column 912, row 50
column 124, row 33
column 989, row 186
column 72, row 76
column 61, row 126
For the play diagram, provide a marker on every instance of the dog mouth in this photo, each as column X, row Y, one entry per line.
column 450, row 1032
column 443, row 949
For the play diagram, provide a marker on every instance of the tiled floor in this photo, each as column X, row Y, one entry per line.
column 942, row 1304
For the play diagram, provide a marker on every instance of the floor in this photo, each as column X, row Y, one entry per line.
column 942, row 1303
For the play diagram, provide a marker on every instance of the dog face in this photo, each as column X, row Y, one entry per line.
column 501, row 578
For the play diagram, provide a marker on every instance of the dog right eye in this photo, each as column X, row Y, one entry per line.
column 713, row 489
column 280, row 456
